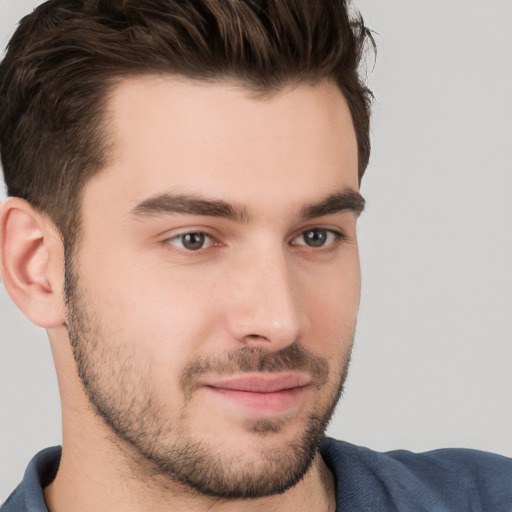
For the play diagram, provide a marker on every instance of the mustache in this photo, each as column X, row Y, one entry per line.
column 293, row 357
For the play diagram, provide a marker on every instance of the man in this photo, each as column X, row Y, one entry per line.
column 185, row 190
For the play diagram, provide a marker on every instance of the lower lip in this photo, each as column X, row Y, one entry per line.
column 277, row 401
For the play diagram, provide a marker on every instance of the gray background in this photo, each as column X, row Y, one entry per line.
column 433, row 360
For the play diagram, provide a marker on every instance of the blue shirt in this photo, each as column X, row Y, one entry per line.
column 451, row 480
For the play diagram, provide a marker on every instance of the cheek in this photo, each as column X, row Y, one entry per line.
column 172, row 321
column 158, row 314
column 332, row 304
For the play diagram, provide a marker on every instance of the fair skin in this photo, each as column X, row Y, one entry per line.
column 263, row 275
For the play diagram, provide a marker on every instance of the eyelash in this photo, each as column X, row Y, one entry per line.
column 181, row 236
column 338, row 237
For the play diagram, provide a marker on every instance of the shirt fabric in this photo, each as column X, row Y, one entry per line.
column 449, row 480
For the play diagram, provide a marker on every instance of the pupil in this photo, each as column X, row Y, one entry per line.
column 316, row 238
column 193, row 241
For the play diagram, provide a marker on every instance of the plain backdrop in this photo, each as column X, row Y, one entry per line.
column 432, row 365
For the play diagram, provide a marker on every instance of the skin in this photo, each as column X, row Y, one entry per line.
column 156, row 306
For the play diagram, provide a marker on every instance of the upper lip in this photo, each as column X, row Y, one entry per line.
column 259, row 383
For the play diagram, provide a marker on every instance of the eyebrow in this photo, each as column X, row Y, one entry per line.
column 164, row 204
column 191, row 205
column 335, row 203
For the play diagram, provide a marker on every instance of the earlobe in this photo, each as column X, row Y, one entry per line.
column 31, row 262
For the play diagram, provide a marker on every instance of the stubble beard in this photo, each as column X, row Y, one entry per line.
column 121, row 391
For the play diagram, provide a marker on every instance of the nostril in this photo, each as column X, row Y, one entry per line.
column 256, row 337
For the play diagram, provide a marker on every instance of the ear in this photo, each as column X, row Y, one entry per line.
column 32, row 262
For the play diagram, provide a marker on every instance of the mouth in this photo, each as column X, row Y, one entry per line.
column 261, row 393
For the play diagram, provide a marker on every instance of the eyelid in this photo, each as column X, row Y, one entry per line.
column 168, row 234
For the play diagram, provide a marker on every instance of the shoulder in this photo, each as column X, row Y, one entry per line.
column 29, row 495
column 441, row 480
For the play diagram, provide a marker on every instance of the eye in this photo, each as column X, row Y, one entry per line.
column 317, row 237
column 191, row 241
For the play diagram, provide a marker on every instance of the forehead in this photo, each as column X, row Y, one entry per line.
column 172, row 135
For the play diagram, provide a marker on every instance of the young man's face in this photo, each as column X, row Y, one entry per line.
column 215, row 287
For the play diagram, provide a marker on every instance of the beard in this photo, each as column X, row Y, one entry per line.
column 122, row 392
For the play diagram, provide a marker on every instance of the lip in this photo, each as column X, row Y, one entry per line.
column 261, row 394
column 262, row 383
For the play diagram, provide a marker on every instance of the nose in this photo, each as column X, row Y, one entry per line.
column 266, row 308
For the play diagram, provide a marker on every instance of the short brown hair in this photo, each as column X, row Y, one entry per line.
column 64, row 58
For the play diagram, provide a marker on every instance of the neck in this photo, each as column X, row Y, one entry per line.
column 91, row 479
